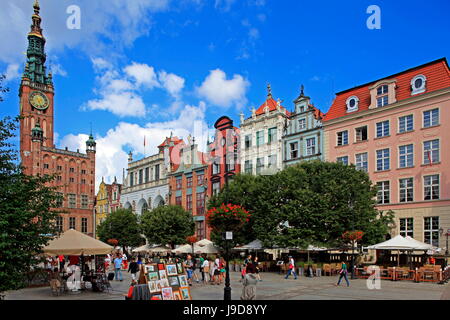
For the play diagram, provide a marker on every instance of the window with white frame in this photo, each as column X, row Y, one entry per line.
column 72, row 200
column 248, row 167
column 383, row 194
column 407, row 227
column 430, row 118
column 216, row 187
column 382, row 96
column 248, row 141
column 260, row 138
column 431, row 151
column 302, row 124
column 343, row 160
column 383, row 129
column 216, row 166
column 361, row 162
column 72, row 223
column 431, row 187
column 59, row 223
column 406, row 190
column 179, row 183
column 431, row 230
column 259, row 165
column 84, row 225
column 60, row 200
column 342, row 138
column 272, row 135
column 361, row 134
column 383, row 159
column 352, row 103
column 418, row 84
column 406, row 156
column 272, row 160
column 310, row 146
column 406, row 123
column 294, row 150
column 84, row 201
column 189, row 202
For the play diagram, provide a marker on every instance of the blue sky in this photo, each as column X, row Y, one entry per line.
column 149, row 67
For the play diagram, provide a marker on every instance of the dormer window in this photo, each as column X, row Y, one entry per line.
column 382, row 96
column 352, row 104
column 418, row 84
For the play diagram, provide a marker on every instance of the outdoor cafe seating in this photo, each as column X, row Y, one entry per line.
column 74, row 243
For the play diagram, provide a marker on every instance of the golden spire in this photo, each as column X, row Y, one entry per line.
column 36, row 7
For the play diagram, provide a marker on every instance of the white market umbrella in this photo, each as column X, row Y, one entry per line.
column 75, row 243
column 396, row 243
column 254, row 245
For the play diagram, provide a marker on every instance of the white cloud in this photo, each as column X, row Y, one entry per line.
column 224, row 5
column 120, row 92
column 12, row 72
column 113, row 148
column 122, row 104
column 118, row 23
column 142, row 74
column 172, row 83
column 220, row 91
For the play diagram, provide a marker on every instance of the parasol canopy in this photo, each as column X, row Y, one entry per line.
column 401, row 243
column 152, row 249
column 254, row 245
column 75, row 243
column 202, row 246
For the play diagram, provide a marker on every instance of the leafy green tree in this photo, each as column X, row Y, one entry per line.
column 3, row 89
column 310, row 203
column 122, row 225
column 167, row 225
column 249, row 192
column 27, row 213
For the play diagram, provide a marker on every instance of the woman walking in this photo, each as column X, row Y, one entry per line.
column 249, row 282
column 343, row 274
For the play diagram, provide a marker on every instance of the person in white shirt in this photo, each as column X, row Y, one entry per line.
column 205, row 270
column 291, row 268
column 216, row 277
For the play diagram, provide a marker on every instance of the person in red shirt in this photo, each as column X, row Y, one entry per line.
column 129, row 295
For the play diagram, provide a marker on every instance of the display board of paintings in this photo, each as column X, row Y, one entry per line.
column 168, row 281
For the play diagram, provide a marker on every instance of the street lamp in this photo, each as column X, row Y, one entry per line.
column 227, row 236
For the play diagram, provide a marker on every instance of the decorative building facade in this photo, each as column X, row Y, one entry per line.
column 102, row 203
column 397, row 129
column 146, row 185
column 75, row 171
column 261, row 143
column 223, row 155
column 189, row 185
column 303, row 135
column 108, row 200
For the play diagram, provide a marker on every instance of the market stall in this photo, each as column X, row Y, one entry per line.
column 75, row 243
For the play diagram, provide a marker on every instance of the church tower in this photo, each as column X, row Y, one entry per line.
column 36, row 93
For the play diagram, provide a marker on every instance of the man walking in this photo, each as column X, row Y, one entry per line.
column 291, row 268
column 133, row 268
column 117, row 268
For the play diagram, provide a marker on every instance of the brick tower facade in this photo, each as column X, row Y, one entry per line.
column 75, row 171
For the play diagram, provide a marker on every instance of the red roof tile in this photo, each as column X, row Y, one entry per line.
column 175, row 140
column 272, row 104
column 438, row 77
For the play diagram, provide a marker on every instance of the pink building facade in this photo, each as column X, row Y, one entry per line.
column 398, row 130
